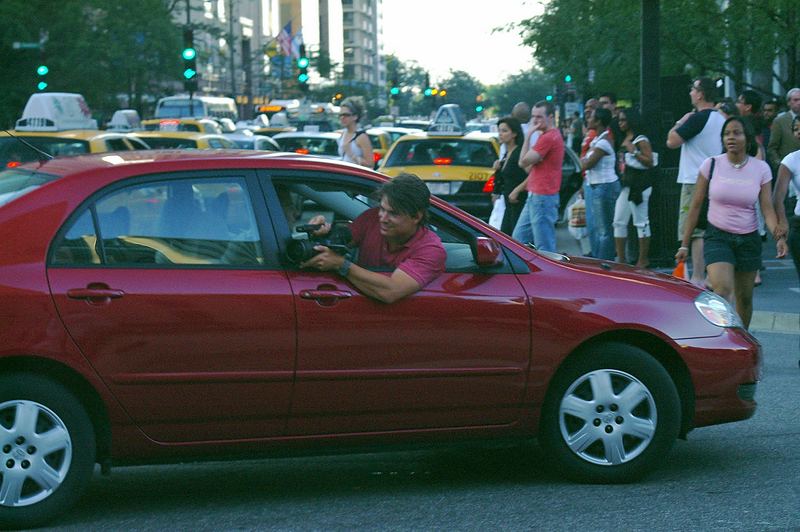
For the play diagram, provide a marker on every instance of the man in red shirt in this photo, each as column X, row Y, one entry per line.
column 537, row 222
column 393, row 235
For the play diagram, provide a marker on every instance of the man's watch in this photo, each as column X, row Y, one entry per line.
column 344, row 269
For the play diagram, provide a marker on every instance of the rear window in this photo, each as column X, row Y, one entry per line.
column 13, row 152
column 444, row 152
column 166, row 143
column 16, row 182
column 312, row 146
column 180, row 108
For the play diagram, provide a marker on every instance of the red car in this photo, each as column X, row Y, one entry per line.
column 151, row 312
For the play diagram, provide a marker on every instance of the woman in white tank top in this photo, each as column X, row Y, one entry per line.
column 354, row 145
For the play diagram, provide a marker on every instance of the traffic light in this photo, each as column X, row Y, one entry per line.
column 394, row 92
column 442, row 92
column 302, row 64
column 189, row 55
column 42, row 71
column 549, row 97
column 567, row 79
column 337, row 98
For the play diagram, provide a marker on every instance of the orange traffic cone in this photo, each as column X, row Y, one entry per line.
column 680, row 271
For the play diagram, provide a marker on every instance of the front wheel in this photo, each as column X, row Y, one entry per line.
column 47, row 449
column 610, row 415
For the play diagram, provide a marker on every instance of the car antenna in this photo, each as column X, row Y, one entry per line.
column 31, row 146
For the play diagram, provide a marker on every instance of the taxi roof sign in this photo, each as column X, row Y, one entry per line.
column 56, row 111
column 449, row 120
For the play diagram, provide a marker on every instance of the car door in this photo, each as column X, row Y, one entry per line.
column 169, row 290
column 455, row 354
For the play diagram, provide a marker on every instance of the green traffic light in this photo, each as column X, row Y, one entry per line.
column 478, row 108
column 189, row 53
column 302, row 62
column 428, row 92
column 302, row 78
column 189, row 73
column 568, row 78
column 549, row 97
column 42, row 70
column 395, row 91
column 41, row 86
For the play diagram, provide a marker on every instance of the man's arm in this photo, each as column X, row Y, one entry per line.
column 386, row 289
column 527, row 156
column 674, row 139
column 775, row 139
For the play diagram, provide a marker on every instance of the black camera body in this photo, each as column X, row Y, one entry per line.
column 301, row 250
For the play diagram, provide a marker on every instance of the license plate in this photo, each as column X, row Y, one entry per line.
column 439, row 189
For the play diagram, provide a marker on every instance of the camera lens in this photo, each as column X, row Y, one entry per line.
column 300, row 250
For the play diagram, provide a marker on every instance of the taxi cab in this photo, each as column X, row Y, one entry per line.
column 457, row 167
column 59, row 124
column 197, row 125
column 167, row 140
column 381, row 141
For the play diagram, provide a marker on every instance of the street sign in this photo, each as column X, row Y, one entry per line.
column 25, row 45
column 571, row 108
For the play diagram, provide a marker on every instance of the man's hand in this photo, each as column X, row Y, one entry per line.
column 325, row 261
column 325, row 227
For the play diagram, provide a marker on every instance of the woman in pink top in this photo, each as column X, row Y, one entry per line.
column 734, row 181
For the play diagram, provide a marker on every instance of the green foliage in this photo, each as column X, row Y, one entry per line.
column 462, row 89
column 598, row 42
column 114, row 53
column 529, row 87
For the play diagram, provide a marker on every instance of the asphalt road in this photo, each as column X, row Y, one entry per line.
column 740, row 476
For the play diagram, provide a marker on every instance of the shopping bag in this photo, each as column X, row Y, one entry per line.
column 499, row 209
column 577, row 219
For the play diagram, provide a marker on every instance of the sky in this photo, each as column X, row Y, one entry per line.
column 444, row 35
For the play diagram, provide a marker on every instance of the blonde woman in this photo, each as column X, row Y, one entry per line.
column 354, row 144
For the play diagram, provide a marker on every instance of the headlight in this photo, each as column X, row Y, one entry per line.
column 717, row 310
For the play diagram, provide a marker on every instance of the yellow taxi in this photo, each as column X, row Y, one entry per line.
column 59, row 124
column 170, row 140
column 196, row 125
column 381, row 141
column 457, row 167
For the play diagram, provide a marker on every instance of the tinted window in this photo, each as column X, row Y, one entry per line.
column 313, row 146
column 182, row 222
column 116, row 145
column 448, row 152
column 162, row 143
column 14, row 151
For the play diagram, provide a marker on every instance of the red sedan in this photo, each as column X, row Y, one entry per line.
column 151, row 312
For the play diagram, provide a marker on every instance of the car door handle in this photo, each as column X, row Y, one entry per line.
column 96, row 294
column 320, row 295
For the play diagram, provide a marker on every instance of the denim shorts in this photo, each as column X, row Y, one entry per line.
column 743, row 251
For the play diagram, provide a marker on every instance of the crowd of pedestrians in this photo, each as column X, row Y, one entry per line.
column 739, row 171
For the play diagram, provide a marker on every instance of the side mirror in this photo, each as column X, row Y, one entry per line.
column 488, row 252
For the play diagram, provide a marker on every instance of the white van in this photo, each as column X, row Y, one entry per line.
column 198, row 107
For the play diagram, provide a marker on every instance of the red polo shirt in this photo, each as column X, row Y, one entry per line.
column 545, row 176
column 422, row 257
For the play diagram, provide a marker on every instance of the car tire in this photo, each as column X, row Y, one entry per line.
column 611, row 413
column 47, row 445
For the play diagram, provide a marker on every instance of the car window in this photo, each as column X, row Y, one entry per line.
column 341, row 204
column 117, row 145
column 13, row 151
column 311, row 146
column 16, row 182
column 176, row 222
column 446, row 152
column 161, row 143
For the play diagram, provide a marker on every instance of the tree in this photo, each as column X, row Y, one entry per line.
column 529, row 87
column 462, row 89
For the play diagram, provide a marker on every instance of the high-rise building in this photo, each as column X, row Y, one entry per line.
column 362, row 23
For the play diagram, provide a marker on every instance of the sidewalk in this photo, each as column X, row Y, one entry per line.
column 776, row 303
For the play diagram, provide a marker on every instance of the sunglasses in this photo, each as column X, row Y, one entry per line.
column 345, row 114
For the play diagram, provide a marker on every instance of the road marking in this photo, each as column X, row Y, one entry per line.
column 777, row 322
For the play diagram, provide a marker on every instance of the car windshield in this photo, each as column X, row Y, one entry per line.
column 16, row 182
column 14, row 152
column 447, row 152
column 161, row 143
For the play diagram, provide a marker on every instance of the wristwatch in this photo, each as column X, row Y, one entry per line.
column 344, row 269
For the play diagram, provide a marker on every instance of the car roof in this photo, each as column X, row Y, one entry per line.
column 308, row 135
column 157, row 161
column 77, row 134
column 194, row 135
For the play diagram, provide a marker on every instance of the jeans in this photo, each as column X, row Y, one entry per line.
column 537, row 222
column 604, row 199
column 587, row 198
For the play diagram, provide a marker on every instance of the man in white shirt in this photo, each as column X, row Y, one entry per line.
column 698, row 134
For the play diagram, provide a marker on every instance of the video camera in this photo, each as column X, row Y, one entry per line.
column 301, row 249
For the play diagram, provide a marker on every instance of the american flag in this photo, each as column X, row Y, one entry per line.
column 285, row 39
column 296, row 42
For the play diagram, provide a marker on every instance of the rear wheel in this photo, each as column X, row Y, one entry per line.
column 47, row 449
column 610, row 415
